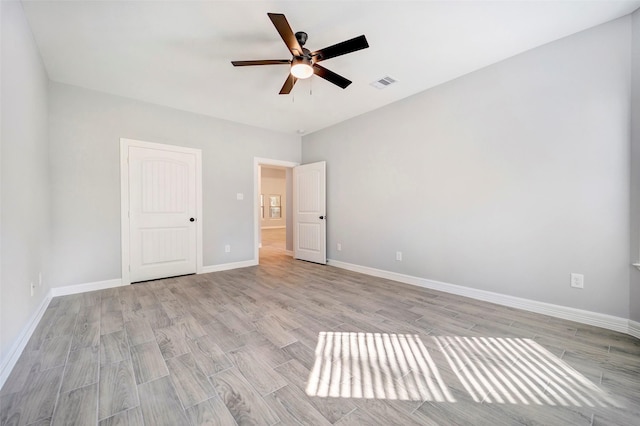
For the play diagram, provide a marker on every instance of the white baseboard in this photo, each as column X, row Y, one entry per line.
column 634, row 329
column 14, row 354
column 289, row 252
column 227, row 266
column 609, row 322
column 83, row 288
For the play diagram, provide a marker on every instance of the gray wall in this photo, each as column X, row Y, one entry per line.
column 274, row 182
column 507, row 179
column 25, row 199
column 634, row 289
column 85, row 131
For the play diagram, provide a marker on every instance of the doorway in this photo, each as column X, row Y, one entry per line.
column 273, row 197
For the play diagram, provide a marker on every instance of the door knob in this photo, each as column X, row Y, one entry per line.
column 192, row 220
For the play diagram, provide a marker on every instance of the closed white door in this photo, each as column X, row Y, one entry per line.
column 162, row 215
column 309, row 212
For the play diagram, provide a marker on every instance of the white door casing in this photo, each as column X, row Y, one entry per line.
column 162, row 230
column 309, row 212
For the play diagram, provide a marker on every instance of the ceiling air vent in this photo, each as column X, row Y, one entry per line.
column 383, row 82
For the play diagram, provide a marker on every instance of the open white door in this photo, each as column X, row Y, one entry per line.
column 309, row 213
column 163, row 232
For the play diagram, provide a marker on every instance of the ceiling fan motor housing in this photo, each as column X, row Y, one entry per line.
column 301, row 36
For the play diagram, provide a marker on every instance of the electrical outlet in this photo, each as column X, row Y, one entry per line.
column 239, row 196
column 339, row 247
column 577, row 280
column 33, row 288
column 399, row 256
column 227, row 248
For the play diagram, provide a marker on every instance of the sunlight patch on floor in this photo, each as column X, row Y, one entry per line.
column 375, row 365
column 489, row 369
column 518, row 371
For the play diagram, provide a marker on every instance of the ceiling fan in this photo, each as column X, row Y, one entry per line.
column 304, row 63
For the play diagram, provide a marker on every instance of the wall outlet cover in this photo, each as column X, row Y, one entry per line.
column 577, row 280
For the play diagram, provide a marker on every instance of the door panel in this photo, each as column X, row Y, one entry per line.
column 309, row 212
column 162, row 200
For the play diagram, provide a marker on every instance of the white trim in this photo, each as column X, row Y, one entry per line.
column 289, row 252
column 274, row 227
column 125, row 144
column 228, row 266
column 257, row 162
column 634, row 329
column 14, row 353
column 83, row 288
column 578, row 315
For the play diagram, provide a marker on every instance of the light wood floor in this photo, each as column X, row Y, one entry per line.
column 290, row 343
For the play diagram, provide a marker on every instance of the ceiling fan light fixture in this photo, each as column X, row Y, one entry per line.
column 301, row 67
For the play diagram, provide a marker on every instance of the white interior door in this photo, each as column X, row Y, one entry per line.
column 309, row 212
column 162, row 213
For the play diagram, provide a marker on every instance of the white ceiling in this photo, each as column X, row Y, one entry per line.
column 178, row 53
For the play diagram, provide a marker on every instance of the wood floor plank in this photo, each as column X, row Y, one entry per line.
column 139, row 331
column 38, row 400
column 63, row 325
column 77, row 407
column 110, row 304
column 271, row 328
column 54, row 351
column 148, row 363
column 114, row 347
column 250, row 362
column 211, row 412
column 172, row 341
column 117, row 390
column 40, row 333
column 111, row 322
column 292, row 406
column 86, row 334
column 190, row 383
column 190, row 327
column 132, row 417
column 208, row 355
column 333, row 409
column 20, row 373
column 82, row 369
column 160, row 404
column 243, row 402
column 236, row 321
column 301, row 353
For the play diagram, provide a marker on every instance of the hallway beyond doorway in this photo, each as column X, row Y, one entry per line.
column 274, row 239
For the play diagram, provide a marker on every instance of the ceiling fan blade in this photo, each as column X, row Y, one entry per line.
column 331, row 76
column 261, row 62
column 288, row 85
column 353, row 45
column 285, row 31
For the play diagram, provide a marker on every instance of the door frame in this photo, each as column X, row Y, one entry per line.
column 257, row 162
column 125, row 144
